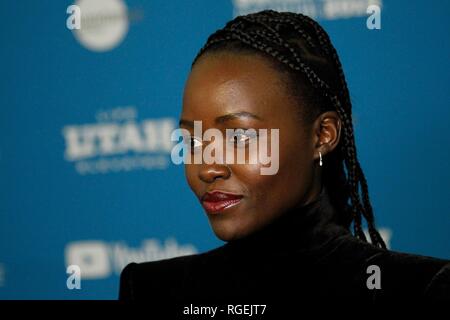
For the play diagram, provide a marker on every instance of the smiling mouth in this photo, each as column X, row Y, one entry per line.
column 216, row 202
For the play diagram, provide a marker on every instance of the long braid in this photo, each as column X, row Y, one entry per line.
column 298, row 44
column 368, row 211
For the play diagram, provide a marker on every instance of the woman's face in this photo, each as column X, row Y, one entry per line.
column 222, row 84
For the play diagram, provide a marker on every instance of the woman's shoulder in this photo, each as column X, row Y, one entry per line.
column 407, row 274
column 155, row 278
column 151, row 277
column 413, row 273
column 344, row 267
column 350, row 245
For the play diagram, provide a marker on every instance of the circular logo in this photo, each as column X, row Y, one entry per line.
column 104, row 24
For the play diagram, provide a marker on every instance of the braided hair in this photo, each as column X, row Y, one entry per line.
column 301, row 50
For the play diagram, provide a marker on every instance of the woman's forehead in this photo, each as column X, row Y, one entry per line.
column 232, row 84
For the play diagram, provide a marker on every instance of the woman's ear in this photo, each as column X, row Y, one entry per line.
column 327, row 131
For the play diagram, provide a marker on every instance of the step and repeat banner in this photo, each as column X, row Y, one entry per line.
column 86, row 116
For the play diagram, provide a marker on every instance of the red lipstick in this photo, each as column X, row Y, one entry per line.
column 217, row 201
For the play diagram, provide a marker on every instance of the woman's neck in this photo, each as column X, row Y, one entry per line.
column 300, row 228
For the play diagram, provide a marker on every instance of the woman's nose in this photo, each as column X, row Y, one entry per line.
column 210, row 172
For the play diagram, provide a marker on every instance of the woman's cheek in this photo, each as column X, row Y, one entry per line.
column 191, row 175
column 260, row 186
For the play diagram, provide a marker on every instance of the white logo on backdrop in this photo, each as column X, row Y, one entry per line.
column 317, row 9
column 104, row 24
column 99, row 259
column 119, row 142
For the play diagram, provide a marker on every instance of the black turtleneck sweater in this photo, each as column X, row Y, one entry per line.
column 303, row 256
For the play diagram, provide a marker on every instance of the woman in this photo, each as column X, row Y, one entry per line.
column 287, row 234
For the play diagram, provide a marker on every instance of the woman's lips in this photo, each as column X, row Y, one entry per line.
column 216, row 201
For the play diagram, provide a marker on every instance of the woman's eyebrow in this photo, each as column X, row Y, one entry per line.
column 237, row 115
column 224, row 118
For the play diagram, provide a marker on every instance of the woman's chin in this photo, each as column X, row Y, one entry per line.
column 227, row 230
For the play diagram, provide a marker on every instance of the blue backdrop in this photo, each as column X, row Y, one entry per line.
column 85, row 170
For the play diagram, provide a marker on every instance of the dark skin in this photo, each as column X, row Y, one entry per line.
column 228, row 83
